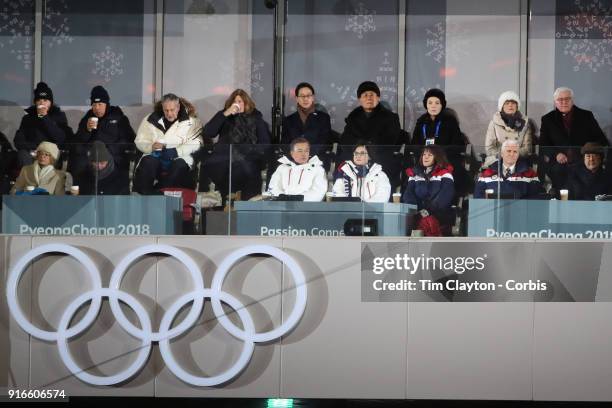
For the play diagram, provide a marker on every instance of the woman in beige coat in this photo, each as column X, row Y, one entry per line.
column 508, row 123
column 42, row 174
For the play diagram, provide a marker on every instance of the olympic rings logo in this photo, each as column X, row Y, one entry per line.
column 165, row 334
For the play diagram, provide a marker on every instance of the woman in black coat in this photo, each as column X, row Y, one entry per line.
column 438, row 126
column 240, row 125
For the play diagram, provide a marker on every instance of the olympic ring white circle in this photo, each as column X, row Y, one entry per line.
column 62, row 343
column 298, row 280
column 165, row 333
column 120, row 271
column 15, row 277
column 243, row 359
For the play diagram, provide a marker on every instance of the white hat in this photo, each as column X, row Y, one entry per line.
column 50, row 148
column 508, row 96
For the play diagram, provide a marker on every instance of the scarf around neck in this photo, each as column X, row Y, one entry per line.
column 42, row 173
column 514, row 121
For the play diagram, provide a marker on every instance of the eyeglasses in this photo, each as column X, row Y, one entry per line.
column 305, row 96
column 360, row 153
column 568, row 99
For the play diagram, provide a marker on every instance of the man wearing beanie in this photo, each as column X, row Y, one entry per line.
column 373, row 124
column 107, row 124
column 43, row 121
column 102, row 176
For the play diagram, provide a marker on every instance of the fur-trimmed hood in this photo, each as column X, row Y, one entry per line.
column 186, row 107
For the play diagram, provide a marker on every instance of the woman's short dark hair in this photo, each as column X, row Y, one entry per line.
column 438, row 153
column 249, row 104
column 303, row 85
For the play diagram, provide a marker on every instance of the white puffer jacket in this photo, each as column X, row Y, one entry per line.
column 184, row 135
column 373, row 188
column 306, row 179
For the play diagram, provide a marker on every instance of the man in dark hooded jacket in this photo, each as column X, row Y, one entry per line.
column 102, row 176
column 44, row 122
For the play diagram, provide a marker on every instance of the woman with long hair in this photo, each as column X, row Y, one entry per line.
column 242, row 126
column 430, row 186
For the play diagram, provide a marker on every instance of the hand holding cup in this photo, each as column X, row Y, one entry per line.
column 92, row 123
column 232, row 110
column 42, row 110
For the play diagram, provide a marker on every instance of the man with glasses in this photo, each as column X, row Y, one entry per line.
column 299, row 174
column 307, row 122
column 563, row 132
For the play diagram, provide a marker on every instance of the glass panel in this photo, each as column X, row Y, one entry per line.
column 213, row 48
column 105, row 43
column 455, row 46
column 16, row 52
column 337, row 45
column 569, row 45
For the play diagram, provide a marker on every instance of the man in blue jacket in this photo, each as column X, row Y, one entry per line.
column 509, row 177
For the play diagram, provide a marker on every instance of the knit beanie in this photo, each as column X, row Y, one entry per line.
column 50, row 148
column 42, row 91
column 368, row 86
column 508, row 96
column 99, row 94
column 437, row 93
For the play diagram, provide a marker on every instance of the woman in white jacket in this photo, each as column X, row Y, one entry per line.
column 360, row 178
column 508, row 123
column 298, row 174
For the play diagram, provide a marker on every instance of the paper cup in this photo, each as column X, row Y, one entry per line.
column 74, row 190
column 564, row 194
column 328, row 197
column 94, row 120
column 30, row 188
column 397, row 197
column 489, row 193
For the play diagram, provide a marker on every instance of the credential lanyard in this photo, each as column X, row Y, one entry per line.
column 436, row 132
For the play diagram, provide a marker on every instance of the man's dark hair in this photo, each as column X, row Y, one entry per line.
column 170, row 97
column 303, row 85
column 297, row 140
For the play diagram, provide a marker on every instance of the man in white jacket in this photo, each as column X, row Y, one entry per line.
column 299, row 175
column 168, row 137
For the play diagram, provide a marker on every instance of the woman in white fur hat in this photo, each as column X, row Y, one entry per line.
column 508, row 123
column 42, row 174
